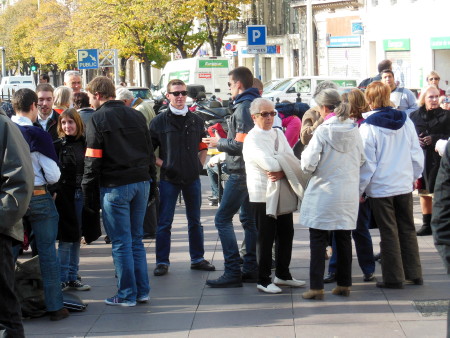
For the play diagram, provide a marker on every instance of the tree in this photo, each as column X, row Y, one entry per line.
column 217, row 15
column 175, row 27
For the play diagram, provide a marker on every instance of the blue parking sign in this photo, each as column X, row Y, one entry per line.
column 87, row 58
column 256, row 35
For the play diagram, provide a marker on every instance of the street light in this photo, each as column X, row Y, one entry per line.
column 3, row 61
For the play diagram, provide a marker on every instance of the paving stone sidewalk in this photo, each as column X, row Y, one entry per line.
column 182, row 305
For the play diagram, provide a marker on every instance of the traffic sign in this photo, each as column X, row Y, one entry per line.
column 257, row 49
column 256, row 35
column 87, row 58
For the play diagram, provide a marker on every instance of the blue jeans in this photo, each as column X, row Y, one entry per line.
column 192, row 195
column 69, row 252
column 123, row 217
column 213, row 179
column 44, row 218
column 235, row 197
column 363, row 242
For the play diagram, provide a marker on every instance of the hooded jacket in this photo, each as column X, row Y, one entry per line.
column 394, row 159
column 239, row 124
column 334, row 156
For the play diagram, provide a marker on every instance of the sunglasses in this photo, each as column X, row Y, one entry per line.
column 267, row 113
column 183, row 92
column 434, row 78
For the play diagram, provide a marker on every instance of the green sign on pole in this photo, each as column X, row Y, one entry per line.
column 440, row 43
column 213, row 63
column 396, row 44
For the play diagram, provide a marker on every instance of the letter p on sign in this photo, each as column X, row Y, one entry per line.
column 82, row 54
column 256, row 35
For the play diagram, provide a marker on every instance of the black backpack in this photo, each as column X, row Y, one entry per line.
column 30, row 289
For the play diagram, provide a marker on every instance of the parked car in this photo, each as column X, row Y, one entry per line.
column 268, row 86
column 288, row 89
column 10, row 84
column 142, row 92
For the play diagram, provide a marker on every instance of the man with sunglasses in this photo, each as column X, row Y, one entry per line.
column 235, row 195
column 177, row 133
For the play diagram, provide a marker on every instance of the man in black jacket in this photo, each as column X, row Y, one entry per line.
column 440, row 222
column 119, row 157
column 177, row 133
column 235, row 195
column 384, row 64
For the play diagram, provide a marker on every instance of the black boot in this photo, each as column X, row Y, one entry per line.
column 425, row 230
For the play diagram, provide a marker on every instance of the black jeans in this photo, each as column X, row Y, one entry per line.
column 318, row 244
column 10, row 315
column 269, row 230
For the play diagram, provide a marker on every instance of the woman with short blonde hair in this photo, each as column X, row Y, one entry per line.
column 62, row 98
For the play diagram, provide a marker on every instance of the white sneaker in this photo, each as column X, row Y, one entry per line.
column 271, row 288
column 143, row 299
column 290, row 282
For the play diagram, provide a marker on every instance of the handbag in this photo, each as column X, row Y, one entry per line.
column 288, row 199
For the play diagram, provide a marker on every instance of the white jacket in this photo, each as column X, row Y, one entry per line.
column 394, row 159
column 334, row 156
column 259, row 151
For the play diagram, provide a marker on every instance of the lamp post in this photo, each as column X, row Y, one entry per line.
column 3, row 61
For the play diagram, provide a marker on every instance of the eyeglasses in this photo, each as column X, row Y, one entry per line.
column 434, row 78
column 267, row 113
column 183, row 92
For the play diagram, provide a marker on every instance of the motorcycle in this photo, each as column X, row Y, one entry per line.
column 210, row 110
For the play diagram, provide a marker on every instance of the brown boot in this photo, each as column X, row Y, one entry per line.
column 341, row 291
column 60, row 314
column 314, row 294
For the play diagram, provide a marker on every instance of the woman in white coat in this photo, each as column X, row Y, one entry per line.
column 333, row 156
column 261, row 147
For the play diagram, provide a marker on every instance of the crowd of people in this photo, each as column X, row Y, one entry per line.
column 69, row 154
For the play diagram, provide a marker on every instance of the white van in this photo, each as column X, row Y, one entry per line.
column 305, row 86
column 211, row 72
column 10, row 84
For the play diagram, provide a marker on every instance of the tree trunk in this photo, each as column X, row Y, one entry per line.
column 123, row 70
column 146, row 71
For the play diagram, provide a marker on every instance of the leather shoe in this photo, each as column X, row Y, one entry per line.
column 250, row 277
column 415, row 281
column 203, row 265
column 225, row 281
column 58, row 315
column 384, row 285
column 161, row 270
column 424, row 231
column 330, row 278
column 368, row 277
column 149, row 236
column 295, row 283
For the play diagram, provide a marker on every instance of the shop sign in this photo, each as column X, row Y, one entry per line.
column 396, row 45
column 440, row 43
column 344, row 41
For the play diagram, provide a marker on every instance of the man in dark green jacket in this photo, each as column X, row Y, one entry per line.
column 15, row 193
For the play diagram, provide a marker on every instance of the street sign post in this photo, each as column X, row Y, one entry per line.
column 256, row 43
column 87, row 58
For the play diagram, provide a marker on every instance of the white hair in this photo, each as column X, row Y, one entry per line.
column 124, row 94
column 257, row 103
column 70, row 73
